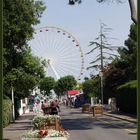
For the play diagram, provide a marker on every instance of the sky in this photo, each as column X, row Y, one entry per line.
column 83, row 22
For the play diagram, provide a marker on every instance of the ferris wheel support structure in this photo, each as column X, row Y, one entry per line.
column 53, row 69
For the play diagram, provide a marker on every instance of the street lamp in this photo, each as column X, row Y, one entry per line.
column 101, row 75
column 13, row 106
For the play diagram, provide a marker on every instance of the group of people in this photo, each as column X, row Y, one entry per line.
column 51, row 108
column 47, row 107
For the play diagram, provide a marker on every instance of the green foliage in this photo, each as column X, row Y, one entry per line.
column 47, row 84
column 5, row 97
column 25, row 77
column 39, row 120
column 122, row 69
column 128, row 55
column 22, row 70
column 79, row 86
column 131, row 84
column 103, row 47
column 91, row 87
column 127, row 97
column 57, row 88
column 7, row 111
column 64, row 84
column 18, row 20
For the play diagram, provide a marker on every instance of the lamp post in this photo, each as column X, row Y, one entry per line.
column 101, row 76
column 13, row 106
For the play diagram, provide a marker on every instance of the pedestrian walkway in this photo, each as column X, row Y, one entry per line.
column 16, row 129
column 123, row 116
column 118, row 115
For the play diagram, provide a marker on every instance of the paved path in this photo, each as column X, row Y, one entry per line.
column 16, row 129
column 23, row 123
column 83, row 126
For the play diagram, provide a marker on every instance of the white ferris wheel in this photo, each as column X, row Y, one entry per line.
column 60, row 49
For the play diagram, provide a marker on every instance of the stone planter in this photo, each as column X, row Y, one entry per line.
column 86, row 108
column 49, row 138
column 55, row 124
column 97, row 110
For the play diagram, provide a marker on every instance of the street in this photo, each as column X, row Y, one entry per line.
column 82, row 126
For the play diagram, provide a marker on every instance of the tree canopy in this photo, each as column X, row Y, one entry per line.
column 122, row 69
column 22, row 70
column 46, row 85
column 91, row 87
column 64, row 84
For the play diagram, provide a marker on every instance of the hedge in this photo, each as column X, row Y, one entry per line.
column 127, row 97
column 7, row 112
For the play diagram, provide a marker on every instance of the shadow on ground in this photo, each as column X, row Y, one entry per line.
column 85, row 123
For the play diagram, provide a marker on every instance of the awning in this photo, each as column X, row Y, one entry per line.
column 73, row 92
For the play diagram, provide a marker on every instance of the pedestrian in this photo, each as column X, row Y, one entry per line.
column 42, row 105
column 54, row 108
column 57, row 105
column 35, row 107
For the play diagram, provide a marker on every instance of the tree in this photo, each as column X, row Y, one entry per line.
column 18, row 20
column 79, row 86
column 21, row 81
column 46, row 85
column 101, row 44
column 25, row 76
column 122, row 69
column 58, row 90
column 131, row 5
column 21, row 69
column 91, row 88
column 64, row 84
column 128, row 54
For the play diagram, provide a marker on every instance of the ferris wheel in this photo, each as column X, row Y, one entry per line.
column 61, row 50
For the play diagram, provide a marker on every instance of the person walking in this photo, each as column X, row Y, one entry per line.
column 42, row 106
column 54, row 106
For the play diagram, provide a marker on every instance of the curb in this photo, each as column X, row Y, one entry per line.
column 114, row 116
column 122, row 118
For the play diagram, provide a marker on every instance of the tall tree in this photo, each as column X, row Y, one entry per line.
column 105, row 49
column 122, row 69
column 101, row 43
column 19, row 17
column 25, row 76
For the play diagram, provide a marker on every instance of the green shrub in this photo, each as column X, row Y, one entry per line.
column 6, row 97
column 7, row 111
column 127, row 97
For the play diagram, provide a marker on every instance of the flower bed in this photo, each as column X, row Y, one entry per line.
column 46, row 135
column 41, row 121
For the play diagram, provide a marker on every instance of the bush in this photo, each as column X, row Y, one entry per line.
column 127, row 97
column 7, row 111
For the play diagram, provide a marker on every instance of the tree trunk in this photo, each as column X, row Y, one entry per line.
column 133, row 11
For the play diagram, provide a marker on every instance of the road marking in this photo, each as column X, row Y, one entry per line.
column 127, row 130
column 130, row 131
